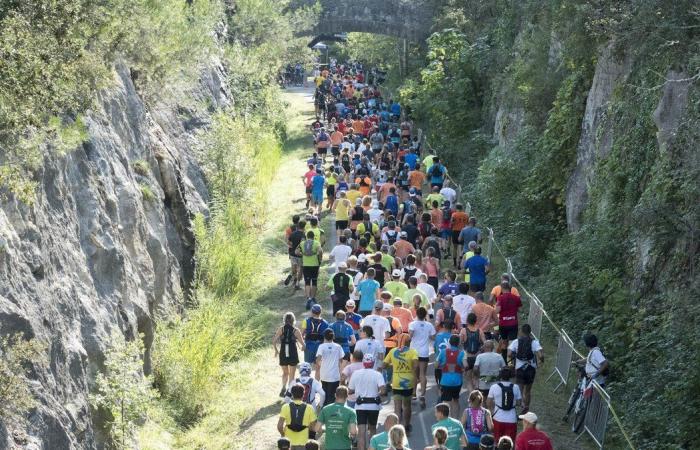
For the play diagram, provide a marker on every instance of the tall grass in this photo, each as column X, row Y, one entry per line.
column 191, row 352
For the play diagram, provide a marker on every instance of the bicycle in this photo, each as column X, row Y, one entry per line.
column 579, row 399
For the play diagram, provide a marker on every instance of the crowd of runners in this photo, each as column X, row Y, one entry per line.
column 408, row 286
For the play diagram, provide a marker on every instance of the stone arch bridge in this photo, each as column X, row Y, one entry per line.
column 406, row 19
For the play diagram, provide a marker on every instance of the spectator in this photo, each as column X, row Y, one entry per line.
column 531, row 438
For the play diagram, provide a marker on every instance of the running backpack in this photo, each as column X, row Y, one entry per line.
column 524, row 352
column 448, row 318
column 425, row 228
column 451, row 362
column 507, row 397
column 408, row 273
column 297, row 414
column 391, row 236
column 288, row 335
column 473, row 343
column 436, row 171
column 309, row 247
column 446, row 214
column 476, row 421
column 312, row 329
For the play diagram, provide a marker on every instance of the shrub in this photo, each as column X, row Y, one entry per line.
column 16, row 354
column 141, row 167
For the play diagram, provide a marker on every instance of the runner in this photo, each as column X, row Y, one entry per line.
column 290, row 340
column 456, row 437
column 346, row 374
column 368, row 384
column 312, row 389
column 477, row 420
column 306, row 178
column 353, row 319
column 381, row 328
column 503, row 398
column 296, row 419
column 447, row 318
column 487, row 366
column 404, row 361
column 296, row 236
column 451, row 361
column 507, row 306
column 527, row 352
column 496, row 291
column 458, row 221
column 463, row 304
column 311, row 253
column 486, row 316
column 329, row 356
column 342, row 208
column 478, row 267
column 381, row 441
column 421, row 333
column 340, row 422
column 473, row 339
column 313, row 328
column 369, row 292
column 344, row 334
column 340, row 253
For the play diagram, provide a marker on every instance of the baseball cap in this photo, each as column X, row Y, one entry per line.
column 398, row 301
column 529, row 417
column 343, row 265
column 316, row 308
column 305, row 369
column 403, row 234
column 367, row 360
column 396, row 273
column 412, row 192
column 387, row 307
column 350, row 303
column 378, row 304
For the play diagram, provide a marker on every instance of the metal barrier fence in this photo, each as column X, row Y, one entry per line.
column 534, row 317
column 596, row 421
column 562, row 361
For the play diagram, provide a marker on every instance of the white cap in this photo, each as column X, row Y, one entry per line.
column 350, row 303
column 343, row 265
column 387, row 307
column 529, row 416
column 396, row 273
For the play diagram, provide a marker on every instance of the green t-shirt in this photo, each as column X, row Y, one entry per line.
column 397, row 288
column 409, row 298
column 337, row 419
column 455, row 431
column 387, row 262
column 427, row 163
column 434, row 197
column 380, row 441
column 313, row 260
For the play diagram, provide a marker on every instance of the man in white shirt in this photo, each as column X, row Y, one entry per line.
column 503, row 398
column 381, row 327
column 596, row 364
column 427, row 289
column 329, row 357
column 421, row 332
column 368, row 345
column 374, row 212
column 340, row 252
column 463, row 302
column 368, row 385
column 449, row 193
column 527, row 351
column 487, row 367
column 316, row 396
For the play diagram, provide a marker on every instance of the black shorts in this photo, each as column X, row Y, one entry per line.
column 405, row 393
column 310, row 275
column 322, row 151
column 423, row 359
column 525, row 375
column 449, row 393
column 455, row 236
column 335, row 151
column 341, row 224
column 309, row 189
column 346, row 357
column 330, row 191
column 470, row 362
column 477, row 287
column 508, row 333
column 365, row 417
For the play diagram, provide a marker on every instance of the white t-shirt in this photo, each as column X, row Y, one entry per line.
column 417, row 275
column 355, row 281
column 428, row 290
column 374, row 214
column 463, row 303
column 449, row 194
column 366, row 383
column 536, row 347
column 370, row 346
column 510, row 416
column 489, row 365
column 421, row 332
column 340, row 254
column 594, row 360
column 331, row 354
column 380, row 325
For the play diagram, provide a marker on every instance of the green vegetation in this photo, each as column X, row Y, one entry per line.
column 147, row 193
column 627, row 273
column 141, row 167
column 15, row 355
column 122, row 390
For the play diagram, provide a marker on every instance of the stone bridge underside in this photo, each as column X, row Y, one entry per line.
column 406, row 19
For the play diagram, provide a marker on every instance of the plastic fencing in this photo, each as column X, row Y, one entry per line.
column 596, row 422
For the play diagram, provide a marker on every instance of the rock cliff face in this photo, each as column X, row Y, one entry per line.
column 98, row 253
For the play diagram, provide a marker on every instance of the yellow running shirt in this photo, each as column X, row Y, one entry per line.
column 401, row 361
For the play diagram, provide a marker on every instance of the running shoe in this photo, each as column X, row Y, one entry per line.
column 288, row 279
column 309, row 303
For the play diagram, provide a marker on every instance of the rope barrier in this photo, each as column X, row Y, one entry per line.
column 532, row 297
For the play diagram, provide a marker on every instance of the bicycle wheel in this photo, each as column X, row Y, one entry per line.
column 572, row 403
column 580, row 416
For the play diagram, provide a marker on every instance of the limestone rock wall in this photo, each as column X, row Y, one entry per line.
column 93, row 254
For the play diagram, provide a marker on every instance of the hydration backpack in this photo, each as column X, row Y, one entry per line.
column 507, row 397
column 391, row 236
column 308, row 247
column 288, row 335
column 448, row 318
column 408, row 273
column 297, row 413
column 312, row 329
column 473, row 343
column 451, row 363
column 524, row 352
column 446, row 214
